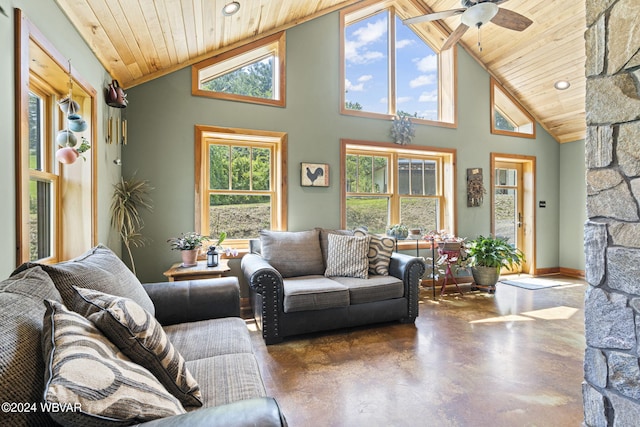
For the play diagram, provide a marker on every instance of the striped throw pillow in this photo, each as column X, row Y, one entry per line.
column 380, row 251
column 347, row 256
column 88, row 376
column 141, row 338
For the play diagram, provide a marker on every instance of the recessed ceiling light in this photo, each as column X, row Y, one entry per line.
column 231, row 8
column 562, row 84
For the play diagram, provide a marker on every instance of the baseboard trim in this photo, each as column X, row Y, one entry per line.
column 546, row 271
column 572, row 272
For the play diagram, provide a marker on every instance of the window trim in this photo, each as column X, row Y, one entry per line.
column 250, row 137
column 494, row 85
column 279, row 81
column 447, row 62
column 446, row 178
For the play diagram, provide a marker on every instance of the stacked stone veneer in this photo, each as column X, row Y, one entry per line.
column 611, row 389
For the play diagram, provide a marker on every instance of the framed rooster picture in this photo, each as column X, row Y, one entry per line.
column 314, row 174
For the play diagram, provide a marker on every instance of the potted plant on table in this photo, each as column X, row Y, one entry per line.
column 399, row 231
column 487, row 255
column 189, row 245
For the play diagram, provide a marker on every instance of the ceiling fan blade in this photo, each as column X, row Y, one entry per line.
column 433, row 16
column 455, row 36
column 511, row 20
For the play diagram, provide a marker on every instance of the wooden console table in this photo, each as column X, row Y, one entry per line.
column 177, row 273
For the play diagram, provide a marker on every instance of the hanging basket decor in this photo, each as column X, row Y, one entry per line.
column 68, row 148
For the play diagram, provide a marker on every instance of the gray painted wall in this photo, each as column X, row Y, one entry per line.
column 162, row 115
column 53, row 24
column 573, row 205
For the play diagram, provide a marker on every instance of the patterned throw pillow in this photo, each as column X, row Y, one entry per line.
column 91, row 380
column 347, row 256
column 380, row 251
column 141, row 338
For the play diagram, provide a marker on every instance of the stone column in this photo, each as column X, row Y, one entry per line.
column 611, row 387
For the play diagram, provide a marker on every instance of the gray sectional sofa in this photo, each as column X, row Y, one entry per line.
column 313, row 280
column 200, row 319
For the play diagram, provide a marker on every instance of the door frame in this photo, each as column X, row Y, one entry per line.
column 528, row 164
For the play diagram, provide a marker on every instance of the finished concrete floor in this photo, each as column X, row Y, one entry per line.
column 513, row 358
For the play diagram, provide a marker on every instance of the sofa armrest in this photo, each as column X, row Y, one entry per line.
column 194, row 300
column 259, row 273
column 266, row 282
column 410, row 269
column 262, row 411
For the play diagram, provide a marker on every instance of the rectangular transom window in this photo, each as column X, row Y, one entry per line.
column 240, row 188
column 387, row 185
column 252, row 73
column 389, row 69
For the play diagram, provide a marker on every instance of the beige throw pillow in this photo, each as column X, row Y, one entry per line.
column 380, row 251
column 347, row 256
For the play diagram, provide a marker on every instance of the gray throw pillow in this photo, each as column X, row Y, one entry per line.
column 99, row 269
column 96, row 384
column 21, row 363
column 380, row 251
column 348, row 256
column 293, row 253
column 141, row 338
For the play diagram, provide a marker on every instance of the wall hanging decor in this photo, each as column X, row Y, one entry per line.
column 402, row 130
column 475, row 187
column 314, row 174
column 115, row 96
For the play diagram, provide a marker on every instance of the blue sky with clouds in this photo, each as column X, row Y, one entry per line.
column 367, row 68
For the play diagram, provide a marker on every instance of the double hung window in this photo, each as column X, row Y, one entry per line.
column 240, row 183
column 43, row 179
column 386, row 185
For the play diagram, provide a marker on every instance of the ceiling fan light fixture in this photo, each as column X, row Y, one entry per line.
column 231, row 8
column 562, row 84
column 479, row 14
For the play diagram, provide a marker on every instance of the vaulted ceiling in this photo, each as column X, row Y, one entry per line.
column 137, row 41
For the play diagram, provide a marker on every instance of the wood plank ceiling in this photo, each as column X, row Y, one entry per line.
column 137, row 41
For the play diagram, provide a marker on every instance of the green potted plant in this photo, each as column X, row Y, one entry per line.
column 189, row 245
column 398, row 231
column 487, row 255
column 130, row 197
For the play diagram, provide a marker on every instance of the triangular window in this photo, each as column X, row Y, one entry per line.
column 508, row 117
column 251, row 73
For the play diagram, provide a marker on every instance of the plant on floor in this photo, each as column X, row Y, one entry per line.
column 130, row 198
column 487, row 255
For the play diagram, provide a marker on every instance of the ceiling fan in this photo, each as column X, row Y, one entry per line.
column 476, row 13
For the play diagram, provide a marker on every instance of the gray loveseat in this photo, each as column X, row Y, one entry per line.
column 296, row 288
column 200, row 318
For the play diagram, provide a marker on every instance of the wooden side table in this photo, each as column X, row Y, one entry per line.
column 177, row 273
